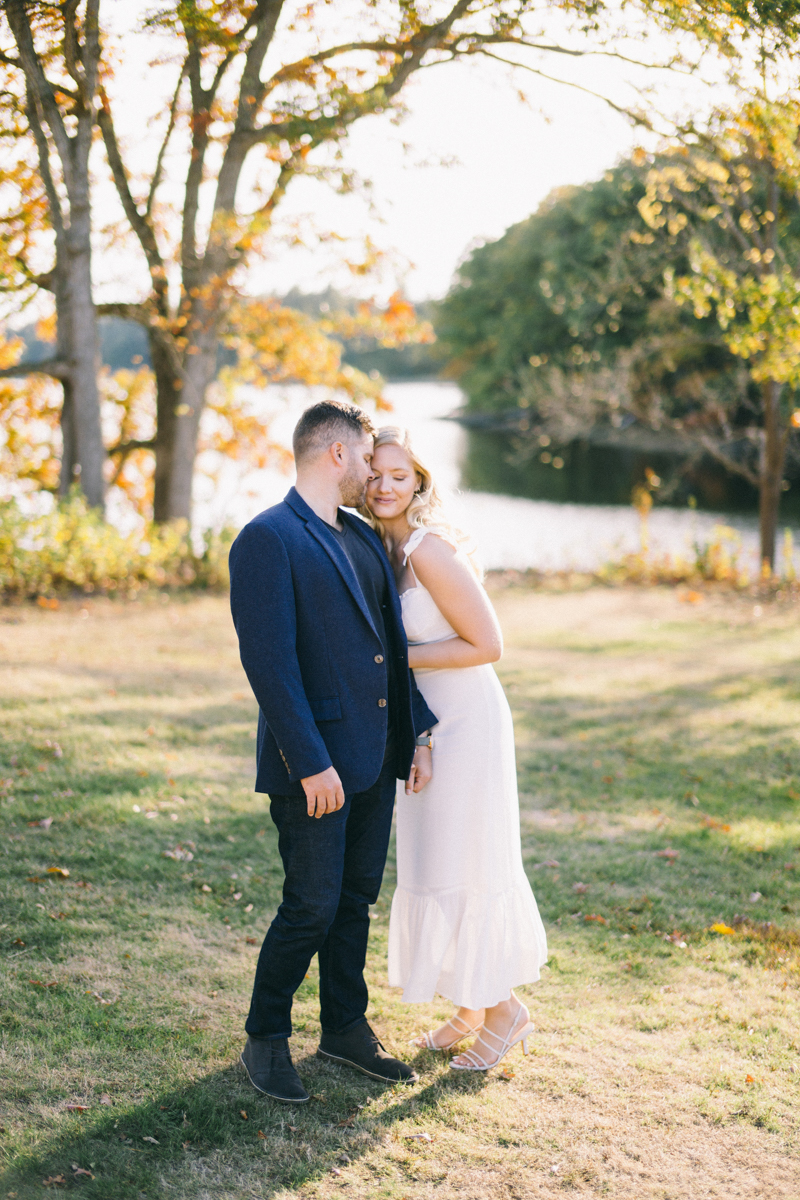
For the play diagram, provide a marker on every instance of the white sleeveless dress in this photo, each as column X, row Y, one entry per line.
column 464, row 922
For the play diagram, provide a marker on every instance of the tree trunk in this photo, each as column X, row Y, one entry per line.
column 84, row 358
column 69, row 455
column 70, row 215
column 770, row 474
column 180, row 399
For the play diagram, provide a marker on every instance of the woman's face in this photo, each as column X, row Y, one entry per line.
column 393, row 483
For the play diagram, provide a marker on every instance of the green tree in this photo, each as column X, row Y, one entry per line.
column 731, row 195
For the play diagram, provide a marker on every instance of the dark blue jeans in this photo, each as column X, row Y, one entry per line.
column 334, row 867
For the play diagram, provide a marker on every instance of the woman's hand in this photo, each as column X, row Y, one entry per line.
column 421, row 770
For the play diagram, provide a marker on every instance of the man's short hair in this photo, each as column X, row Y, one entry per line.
column 328, row 422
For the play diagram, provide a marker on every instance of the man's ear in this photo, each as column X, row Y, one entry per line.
column 338, row 452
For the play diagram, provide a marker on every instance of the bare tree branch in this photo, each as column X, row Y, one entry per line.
column 716, row 451
column 636, row 116
column 140, row 313
column 159, row 167
column 126, row 447
column 140, row 222
column 43, row 151
column 54, row 367
column 40, row 87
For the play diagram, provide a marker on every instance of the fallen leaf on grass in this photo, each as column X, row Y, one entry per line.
column 38, row 983
column 205, row 888
column 335, row 1171
column 105, row 1098
column 548, row 862
column 669, row 854
column 750, row 1079
column 608, row 779
column 77, row 1107
column 61, row 872
column 754, row 897
column 237, row 895
column 293, row 1128
column 506, row 1074
column 45, row 822
column 263, row 1136
column 150, row 1139
column 596, row 917
column 251, row 941
column 718, row 927
column 580, row 888
column 80, row 1171
column 713, row 823
column 243, row 1114
column 556, row 1167
column 17, row 942
column 54, row 1181
column 676, row 937
column 248, row 908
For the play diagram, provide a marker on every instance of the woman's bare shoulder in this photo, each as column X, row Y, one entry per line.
column 433, row 549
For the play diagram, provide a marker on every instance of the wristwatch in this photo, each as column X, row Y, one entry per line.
column 425, row 739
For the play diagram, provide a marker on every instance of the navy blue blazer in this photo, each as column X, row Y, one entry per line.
column 313, row 656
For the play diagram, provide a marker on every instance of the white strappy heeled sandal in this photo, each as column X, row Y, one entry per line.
column 425, row 1040
column 476, row 1061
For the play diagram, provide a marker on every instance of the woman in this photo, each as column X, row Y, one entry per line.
column 464, row 921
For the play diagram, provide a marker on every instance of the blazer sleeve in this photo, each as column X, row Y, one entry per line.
column 264, row 614
column 422, row 716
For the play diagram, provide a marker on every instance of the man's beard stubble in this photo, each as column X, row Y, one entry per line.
column 352, row 490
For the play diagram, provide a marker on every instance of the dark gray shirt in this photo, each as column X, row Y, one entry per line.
column 371, row 577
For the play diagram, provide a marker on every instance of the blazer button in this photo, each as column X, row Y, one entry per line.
column 378, row 658
column 381, row 704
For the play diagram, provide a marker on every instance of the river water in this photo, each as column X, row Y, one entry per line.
column 509, row 531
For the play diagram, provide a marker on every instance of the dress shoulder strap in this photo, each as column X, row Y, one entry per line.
column 412, row 544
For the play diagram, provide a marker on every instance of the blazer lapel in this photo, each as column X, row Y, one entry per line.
column 367, row 532
column 318, row 530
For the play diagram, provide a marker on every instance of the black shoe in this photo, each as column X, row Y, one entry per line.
column 269, row 1068
column 361, row 1049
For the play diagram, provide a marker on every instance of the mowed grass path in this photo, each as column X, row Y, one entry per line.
column 660, row 1068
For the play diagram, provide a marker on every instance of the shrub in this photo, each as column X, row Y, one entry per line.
column 72, row 549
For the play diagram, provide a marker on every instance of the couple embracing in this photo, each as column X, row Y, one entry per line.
column 367, row 642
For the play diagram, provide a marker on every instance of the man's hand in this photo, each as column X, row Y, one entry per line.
column 421, row 770
column 324, row 793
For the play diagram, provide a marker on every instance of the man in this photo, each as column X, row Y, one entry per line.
column 321, row 638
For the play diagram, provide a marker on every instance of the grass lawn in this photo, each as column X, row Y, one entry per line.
column 660, row 776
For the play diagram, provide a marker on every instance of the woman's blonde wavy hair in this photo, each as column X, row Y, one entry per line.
column 427, row 509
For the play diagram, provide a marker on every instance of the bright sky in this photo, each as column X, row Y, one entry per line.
column 506, row 158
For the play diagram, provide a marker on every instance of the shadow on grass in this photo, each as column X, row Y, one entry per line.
column 185, row 1136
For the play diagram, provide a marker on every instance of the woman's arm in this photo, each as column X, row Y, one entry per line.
column 463, row 602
